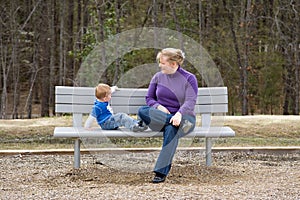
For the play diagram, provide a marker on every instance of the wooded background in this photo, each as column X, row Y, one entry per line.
column 254, row 43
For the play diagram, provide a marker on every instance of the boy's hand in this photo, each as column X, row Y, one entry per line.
column 114, row 88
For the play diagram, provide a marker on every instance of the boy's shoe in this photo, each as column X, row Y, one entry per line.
column 186, row 126
column 142, row 124
column 139, row 127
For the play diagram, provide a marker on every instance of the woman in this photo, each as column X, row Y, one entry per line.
column 171, row 99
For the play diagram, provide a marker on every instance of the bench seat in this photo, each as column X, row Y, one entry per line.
column 80, row 132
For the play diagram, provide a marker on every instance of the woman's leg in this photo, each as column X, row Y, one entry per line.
column 155, row 119
column 170, row 143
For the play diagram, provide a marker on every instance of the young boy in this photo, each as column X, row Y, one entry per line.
column 104, row 115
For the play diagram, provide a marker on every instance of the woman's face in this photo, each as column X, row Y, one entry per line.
column 166, row 66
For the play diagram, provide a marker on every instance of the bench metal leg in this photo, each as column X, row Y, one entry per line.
column 77, row 154
column 208, row 145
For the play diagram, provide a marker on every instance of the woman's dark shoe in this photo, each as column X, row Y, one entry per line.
column 159, row 178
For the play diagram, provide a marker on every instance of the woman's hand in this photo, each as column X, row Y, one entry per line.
column 176, row 119
column 163, row 109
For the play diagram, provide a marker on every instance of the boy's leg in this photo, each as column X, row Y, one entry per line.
column 122, row 119
column 109, row 124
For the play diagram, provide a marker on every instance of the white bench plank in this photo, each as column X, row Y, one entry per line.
column 209, row 91
column 80, row 132
column 131, row 100
column 74, row 90
column 74, row 108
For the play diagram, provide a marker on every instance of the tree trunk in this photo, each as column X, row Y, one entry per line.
column 44, row 61
column 61, row 77
column 16, row 78
column 177, row 25
column 287, row 91
column 101, row 16
column 244, row 73
column 296, row 49
column 52, row 64
column 69, row 67
column 237, row 51
column 14, row 63
column 118, row 30
column 5, row 72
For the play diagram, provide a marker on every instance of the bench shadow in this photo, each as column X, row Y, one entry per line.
column 180, row 174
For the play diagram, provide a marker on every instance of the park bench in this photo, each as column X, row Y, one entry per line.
column 79, row 101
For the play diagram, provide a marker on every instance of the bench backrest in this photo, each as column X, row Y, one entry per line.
column 79, row 100
column 128, row 100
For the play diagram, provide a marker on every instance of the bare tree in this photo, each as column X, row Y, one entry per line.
column 69, row 42
column 100, row 6
column 62, row 53
column 244, row 101
column 296, row 52
column 5, row 71
column 118, row 68
column 52, row 64
column 286, row 19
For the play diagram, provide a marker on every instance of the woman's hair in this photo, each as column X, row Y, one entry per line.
column 173, row 55
column 102, row 90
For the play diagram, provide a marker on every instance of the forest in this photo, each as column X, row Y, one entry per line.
column 254, row 44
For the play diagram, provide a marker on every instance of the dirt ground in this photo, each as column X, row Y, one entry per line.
column 234, row 175
column 127, row 175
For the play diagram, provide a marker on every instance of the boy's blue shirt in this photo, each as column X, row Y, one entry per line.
column 101, row 111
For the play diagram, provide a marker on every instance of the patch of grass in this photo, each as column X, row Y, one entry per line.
column 256, row 141
column 250, row 131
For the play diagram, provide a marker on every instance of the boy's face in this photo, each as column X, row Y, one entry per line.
column 108, row 97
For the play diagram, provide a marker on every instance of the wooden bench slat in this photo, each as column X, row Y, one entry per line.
column 80, row 132
column 69, row 99
column 74, row 108
column 69, row 108
column 74, row 90
column 126, row 91
column 81, row 91
column 127, row 101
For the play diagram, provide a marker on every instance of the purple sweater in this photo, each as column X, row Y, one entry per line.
column 177, row 92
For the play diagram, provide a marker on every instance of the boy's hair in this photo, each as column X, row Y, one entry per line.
column 173, row 55
column 102, row 90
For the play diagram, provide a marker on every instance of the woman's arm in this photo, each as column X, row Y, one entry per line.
column 191, row 93
column 151, row 99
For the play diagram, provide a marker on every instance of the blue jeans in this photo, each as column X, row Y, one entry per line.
column 159, row 121
column 117, row 120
